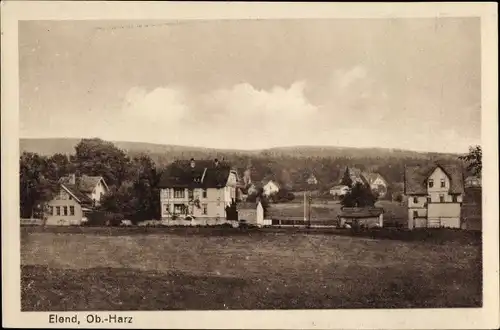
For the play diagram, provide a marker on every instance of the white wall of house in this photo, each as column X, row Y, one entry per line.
column 64, row 210
column 212, row 201
column 339, row 191
column 443, row 215
column 379, row 181
column 438, row 187
column 417, row 211
column 270, row 188
column 98, row 192
column 260, row 216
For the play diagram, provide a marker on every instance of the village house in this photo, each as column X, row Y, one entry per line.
column 339, row 191
column 434, row 195
column 356, row 176
column 271, row 188
column 198, row 193
column 253, row 214
column 368, row 217
column 75, row 198
column 377, row 183
column 312, row 180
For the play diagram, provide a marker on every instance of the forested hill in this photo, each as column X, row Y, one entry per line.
column 283, row 164
column 51, row 146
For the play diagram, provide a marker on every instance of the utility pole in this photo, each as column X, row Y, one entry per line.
column 309, row 210
column 305, row 203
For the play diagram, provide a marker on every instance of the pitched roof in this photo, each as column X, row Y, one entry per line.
column 85, row 183
column 416, row 178
column 371, row 176
column 81, row 187
column 77, row 193
column 205, row 174
column 361, row 212
column 247, row 205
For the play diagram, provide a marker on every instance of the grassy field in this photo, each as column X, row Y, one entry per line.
column 175, row 269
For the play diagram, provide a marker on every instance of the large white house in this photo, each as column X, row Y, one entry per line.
column 198, row 193
column 434, row 195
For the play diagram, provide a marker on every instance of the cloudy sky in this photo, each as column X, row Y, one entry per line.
column 395, row 83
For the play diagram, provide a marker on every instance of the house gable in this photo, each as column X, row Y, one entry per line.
column 416, row 178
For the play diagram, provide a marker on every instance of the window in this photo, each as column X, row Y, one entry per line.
column 431, row 183
column 71, row 210
column 167, row 193
column 51, row 210
column 65, row 210
column 454, row 198
column 178, row 193
column 443, row 184
column 441, row 198
column 205, row 209
column 179, row 208
column 58, row 210
column 167, row 208
column 190, row 194
column 429, row 200
column 415, row 214
column 204, row 193
column 415, row 200
column 70, row 197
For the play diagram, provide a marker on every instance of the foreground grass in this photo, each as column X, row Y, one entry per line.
column 245, row 271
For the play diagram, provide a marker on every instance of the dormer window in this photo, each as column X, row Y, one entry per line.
column 431, row 183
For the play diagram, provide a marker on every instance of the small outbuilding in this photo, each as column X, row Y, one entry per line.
column 252, row 213
column 368, row 217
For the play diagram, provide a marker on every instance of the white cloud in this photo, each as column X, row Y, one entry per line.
column 164, row 103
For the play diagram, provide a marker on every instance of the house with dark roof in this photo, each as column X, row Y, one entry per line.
column 435, row 194
column 357, row 176
column 198, row 192
column 77, row 195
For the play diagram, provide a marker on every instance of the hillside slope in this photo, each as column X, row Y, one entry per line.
column 51, row 146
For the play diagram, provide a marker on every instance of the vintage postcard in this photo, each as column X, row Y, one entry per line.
column 250, row 165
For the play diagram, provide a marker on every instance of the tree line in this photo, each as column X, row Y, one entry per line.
column 133, row 181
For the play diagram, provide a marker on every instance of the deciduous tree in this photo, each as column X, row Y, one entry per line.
column 474, row 160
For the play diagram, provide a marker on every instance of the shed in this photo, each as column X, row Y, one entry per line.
column 362, row 216
column 252, row 213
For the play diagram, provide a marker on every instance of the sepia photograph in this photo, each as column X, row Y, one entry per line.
column 249, row 164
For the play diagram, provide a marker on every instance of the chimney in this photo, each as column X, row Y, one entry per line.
column 72, row 178
column 192, row 163
column 216, row 162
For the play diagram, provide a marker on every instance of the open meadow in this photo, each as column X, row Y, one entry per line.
column 200, row 269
